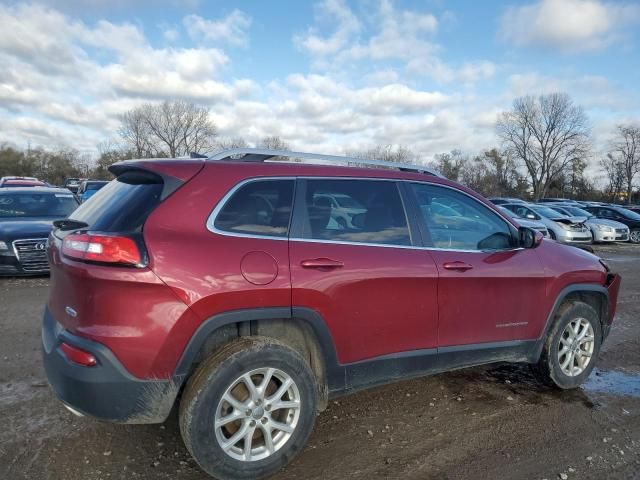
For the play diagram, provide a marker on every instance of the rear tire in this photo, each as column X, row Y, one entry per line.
column 571, row 347
column 249, row 409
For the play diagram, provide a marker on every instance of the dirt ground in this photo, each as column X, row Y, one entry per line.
column 489, row 422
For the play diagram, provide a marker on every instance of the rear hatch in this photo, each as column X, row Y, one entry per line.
column 97, row 255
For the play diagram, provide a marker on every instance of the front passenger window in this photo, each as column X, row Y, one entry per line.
column 456, row 221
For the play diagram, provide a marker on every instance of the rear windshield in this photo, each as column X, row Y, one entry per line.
column 122, row 205
column 21, row 204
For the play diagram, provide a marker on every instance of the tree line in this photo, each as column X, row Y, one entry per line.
column 545, row 147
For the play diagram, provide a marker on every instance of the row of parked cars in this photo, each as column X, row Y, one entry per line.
column 575, row 222
column 83, row 188
column 28, row 208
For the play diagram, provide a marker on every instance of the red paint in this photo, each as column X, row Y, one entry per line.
column 259, row 268
column 374, row 300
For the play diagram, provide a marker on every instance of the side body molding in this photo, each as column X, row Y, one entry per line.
column 345, row 378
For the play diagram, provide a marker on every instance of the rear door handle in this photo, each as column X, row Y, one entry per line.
column 459, row 266
column 321, row 263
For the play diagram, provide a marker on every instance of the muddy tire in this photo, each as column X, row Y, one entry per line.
column 249, row 409
column 571, row 347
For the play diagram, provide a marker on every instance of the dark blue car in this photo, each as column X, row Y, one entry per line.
column 26, row 218
column 88, row 188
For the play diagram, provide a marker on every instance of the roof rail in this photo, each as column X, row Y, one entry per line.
column 264, row 155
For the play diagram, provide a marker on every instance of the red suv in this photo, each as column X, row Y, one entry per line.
column 249, row 292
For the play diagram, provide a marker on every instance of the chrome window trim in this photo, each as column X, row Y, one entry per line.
column 220, row 205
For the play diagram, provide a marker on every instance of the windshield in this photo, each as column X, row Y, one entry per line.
column 507, row 211
column 122, row 205
column 627, row 213
column 577, row 212
column 18, row 205
column 94, row 186
column 546, row 211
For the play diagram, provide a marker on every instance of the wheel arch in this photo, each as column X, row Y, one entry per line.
column 300, row 328
column 597, row 296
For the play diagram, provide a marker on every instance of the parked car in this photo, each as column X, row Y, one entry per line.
column 603, row 230
column 503, row 200
column 13, row 182
column 525, row 222
column 26, row 217
column 619, row 214
column 556, row 200
column 343, row 207
column 173, row 284
column 633, row 208
column 561, row 228
column 88, row 188
column 72, row 184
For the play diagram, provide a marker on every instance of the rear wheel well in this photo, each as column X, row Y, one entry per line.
column 294, row 333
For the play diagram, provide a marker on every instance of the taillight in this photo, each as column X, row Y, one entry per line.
column 101, row 248
column 77, row 355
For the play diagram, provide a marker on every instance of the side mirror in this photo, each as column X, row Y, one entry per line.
column 529, row 238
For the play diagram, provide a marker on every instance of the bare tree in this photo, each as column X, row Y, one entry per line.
column 228, row 143
column 273, row 143
column 134, row 130
column 547, row 134
column 627, row 148
column 168, row 129
column 615, row 174
column 451, row 164
column 390, row 153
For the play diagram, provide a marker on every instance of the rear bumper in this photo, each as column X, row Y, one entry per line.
column 106, row 391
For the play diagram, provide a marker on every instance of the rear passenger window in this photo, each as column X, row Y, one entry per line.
column 361, row 211
column 458, row 222
column 261, row 207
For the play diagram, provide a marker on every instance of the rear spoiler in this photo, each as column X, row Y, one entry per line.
column 174, row 173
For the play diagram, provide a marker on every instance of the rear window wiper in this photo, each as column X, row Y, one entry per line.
column 68, row 224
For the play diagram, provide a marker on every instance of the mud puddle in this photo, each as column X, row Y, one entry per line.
column 613, row 382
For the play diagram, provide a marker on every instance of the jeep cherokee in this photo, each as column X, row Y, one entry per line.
column 231, row 288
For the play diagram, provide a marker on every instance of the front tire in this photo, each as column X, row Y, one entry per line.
column 634, row 236
column 248, row 409
column 571, row 347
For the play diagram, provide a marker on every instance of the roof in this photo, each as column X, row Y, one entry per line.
column 25, row 182
column 34, row 190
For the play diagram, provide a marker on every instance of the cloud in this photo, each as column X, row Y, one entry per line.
column 392, row 34
column 230, row 29
column 387, row 35
column 335, row 12
column 61, row 75
column 568, row 25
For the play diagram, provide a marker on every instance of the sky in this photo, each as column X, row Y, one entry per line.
column 328, row 76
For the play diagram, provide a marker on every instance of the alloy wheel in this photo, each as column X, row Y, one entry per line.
column 634, row 236
column 257, row 414
column 575, row 348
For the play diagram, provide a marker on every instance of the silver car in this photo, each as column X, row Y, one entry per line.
column 526, row 222
column 561, row 228
column 603, row 230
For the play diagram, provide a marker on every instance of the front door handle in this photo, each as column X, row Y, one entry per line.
column 321, row 263
column 458, row 266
